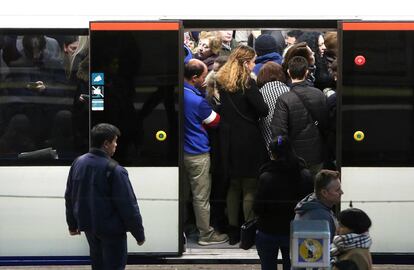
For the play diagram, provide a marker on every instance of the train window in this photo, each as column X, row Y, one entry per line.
column 377, row 98
column 135, row 87
column 42, row 119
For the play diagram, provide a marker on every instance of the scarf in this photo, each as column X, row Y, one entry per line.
column 349, row 241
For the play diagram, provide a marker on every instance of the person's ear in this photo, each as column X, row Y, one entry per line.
column 106, row 144
column 324, row 192
column 288, row 72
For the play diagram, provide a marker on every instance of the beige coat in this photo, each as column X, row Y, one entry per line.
column 361, row 256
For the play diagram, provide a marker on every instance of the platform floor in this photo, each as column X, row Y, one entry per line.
column 222, row 253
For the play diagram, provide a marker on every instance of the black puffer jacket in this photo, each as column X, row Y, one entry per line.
column 292, row 119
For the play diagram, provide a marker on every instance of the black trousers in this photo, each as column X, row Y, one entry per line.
column 107, row 252
column 218, row 203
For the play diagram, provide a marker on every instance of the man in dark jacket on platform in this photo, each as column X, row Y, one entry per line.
column 101, row 202
column 301, row 114
column 318, row 205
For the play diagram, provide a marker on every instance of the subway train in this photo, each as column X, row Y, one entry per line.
column 129, row 72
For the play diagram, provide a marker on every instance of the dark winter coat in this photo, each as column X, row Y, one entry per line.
column 100, row 203
column 292, row 119
column 242, row 147
column 209, row 61
column 281, row 185
column 323, row 78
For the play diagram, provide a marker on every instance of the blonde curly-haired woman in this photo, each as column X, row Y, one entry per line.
column 242, row 146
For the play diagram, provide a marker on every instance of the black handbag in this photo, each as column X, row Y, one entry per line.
column 248, row 234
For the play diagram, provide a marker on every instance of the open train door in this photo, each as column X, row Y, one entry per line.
column 376, row 128
column 134, row 84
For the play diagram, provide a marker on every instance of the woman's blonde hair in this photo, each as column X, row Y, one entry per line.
column 82, row 49
column 235, row 75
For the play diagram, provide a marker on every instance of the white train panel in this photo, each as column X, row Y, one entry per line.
column 386, row 196
column 32, row 211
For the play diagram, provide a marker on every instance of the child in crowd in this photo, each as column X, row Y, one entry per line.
column 353, row 240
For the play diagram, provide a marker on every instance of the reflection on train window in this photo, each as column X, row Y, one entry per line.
column 139, row 94
column 378, row 98
column 43, row 119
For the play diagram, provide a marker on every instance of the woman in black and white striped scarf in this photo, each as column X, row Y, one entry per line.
column 353, row 240
column 348, row 241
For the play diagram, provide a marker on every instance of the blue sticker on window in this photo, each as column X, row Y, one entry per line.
column 98, row 79
column 97, row 105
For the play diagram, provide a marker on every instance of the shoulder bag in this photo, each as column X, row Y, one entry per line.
column 313, row 119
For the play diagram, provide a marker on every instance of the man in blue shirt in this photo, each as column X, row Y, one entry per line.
column 198, row 115
column 101, row 202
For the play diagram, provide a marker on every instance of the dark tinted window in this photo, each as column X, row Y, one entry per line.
column 41, row 118
column 139, row 92
column 378, row 98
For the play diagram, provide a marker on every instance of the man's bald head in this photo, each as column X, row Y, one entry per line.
column 194, row 67
column 195, row 72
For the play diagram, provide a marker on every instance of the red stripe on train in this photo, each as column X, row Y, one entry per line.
column 377, row 26
column 127, row 26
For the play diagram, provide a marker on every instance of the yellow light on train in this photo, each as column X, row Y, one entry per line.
column 161, row 135
column 359, row 135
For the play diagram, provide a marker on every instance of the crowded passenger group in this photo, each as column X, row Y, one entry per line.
column 260, row 110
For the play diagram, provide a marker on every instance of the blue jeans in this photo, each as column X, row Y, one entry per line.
column 268, row 245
